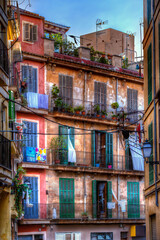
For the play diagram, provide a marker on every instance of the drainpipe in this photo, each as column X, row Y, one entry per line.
column 155, row 124
column 85, row 194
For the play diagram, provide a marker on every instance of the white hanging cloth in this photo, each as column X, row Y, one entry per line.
column 71, row 150
column 136, row 153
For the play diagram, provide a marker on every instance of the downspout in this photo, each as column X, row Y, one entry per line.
column 84, row 145
column 154, row 86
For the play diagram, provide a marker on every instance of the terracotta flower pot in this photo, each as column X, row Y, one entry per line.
column 103, row 116
column 83, row 113
column 77, row 112
column 98, row 115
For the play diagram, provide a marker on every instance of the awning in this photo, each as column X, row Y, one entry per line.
column 136, row 153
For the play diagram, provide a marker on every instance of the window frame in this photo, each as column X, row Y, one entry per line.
column 35, row 67
column 97, row 233
column 57, row 233
column 30, row 24
column 33, row 234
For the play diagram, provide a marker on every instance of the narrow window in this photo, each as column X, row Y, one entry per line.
column 66, row 88
column 149, row 60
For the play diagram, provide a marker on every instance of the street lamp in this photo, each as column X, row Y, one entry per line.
column 147, row 149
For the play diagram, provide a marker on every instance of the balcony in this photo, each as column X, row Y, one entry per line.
column 92, row 162
column 4, row 71
column 5, row 157
column 72, row 213
column 14, row 81
column 89, row 111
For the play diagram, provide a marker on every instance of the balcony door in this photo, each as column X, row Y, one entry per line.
column 32, row 212
column 102, row 149
column 101, row 194
column 66, row 197
column 100, row 95
column 65, row 133
column 133, row 199
column 30, row 141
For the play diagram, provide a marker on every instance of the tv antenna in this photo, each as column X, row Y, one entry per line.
column 99, row 24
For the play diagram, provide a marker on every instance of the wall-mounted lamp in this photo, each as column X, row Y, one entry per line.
column 147, row 150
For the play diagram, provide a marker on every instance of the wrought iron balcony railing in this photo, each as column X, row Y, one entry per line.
column 3, row 57
column 90, row 109
column 83, row 212
column 62, row 157
column 91, row 159
column 5, row 152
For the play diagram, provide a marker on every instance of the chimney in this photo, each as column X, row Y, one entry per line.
column 84, row 52
column 117, row 61
column 48, row 47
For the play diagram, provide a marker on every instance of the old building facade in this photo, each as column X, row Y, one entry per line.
column 84, row 182
column 151, row 45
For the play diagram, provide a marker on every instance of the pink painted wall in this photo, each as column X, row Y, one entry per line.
column 41, row 124
column 40, row 66
column 38, row 46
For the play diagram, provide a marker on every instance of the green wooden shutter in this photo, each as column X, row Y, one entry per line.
column 66, row 197
column 11, row 106
column 109, row 198
column 149, row 60
column 94, row 198
column 148, row 11
column 151, row 168
column 109, row 149
column 133, row 206
column 93, row 148
column 63, row 153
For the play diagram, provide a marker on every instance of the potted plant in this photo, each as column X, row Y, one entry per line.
column 114, row 117
column 78, row 109
column 103, row 113
column 24, row 100
column 84, row 215
column 110, row 165
column 83, row 111
column 57, row 145
column 70, row 109
column 115, row 105
column 55, row 91
column 58, row 103
column 97, row 110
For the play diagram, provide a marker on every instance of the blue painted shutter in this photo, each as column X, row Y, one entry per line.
column 94, row 198
column 66, row 197
column 109, row 149
column 34, row 79
column 25, row 73
column 32, row 213
column 30, row 139
column 63, row 153
column 109, row 198
column 133, row 199
column 93, row 148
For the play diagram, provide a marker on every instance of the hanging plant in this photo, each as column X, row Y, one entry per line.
column 19, row 189
column 55, row 91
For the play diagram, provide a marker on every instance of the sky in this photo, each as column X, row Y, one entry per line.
column 81, row 15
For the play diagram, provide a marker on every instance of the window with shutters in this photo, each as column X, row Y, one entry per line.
column 149, row 61
column 30, row 140
column 68, row 137
column 102, row 149
column 133, row 205
column 151, row 168
column 66, row 88
column 66, row 197
column 32, row 212
column 68, row 236
column 29, row 75
column 100, row 95
column 153, row 234
column 148, row 11
column 132, row 104
column 101, row 195
column 30, row 32
column 102, row 236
